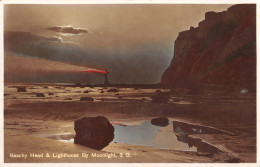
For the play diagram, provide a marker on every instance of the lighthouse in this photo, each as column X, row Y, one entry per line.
column 106, row 82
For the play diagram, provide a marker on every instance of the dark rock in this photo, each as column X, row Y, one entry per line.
column 158, row 91
column 112, row 90
column 40, row 95
column 176, row 100
column 160, row 98
column 102, row 91
column 86, row 99
column 15, row 123
column 117, row 94
column 203, row 148
column 21, row 89
column 160, row 121
column 6, row 94
column 87, row 91
column 78, row 85
column 68, row 99
column 196, row 129
column 45, row 87
column 143, row 99
column 93, row 132
column 50, row 94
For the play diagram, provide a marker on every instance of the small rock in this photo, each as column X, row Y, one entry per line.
column 86, row 91
column 112, row 90
column 40, row 95
column 21, row 89
column 50, row 94
column 45, row 87
column 158, row 91
column 86, row 99
column 160, row 98
column 176, row 100
column 93, row 132
column 160, row 121
column 78, row 84
column 143, row 99
column 68, row 99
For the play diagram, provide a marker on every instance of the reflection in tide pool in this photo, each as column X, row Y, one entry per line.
column 150, row 135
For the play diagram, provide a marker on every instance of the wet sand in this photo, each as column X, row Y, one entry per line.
column 29, row 121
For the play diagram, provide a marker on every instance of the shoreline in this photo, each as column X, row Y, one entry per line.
column 26, row 120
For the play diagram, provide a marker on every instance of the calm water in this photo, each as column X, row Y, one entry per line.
column 145, row 134
column 150, row 135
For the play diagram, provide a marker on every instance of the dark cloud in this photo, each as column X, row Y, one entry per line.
column 141, row 65
column 67, row 29
column 18, row 36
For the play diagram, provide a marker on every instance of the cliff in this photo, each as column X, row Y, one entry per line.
column 220, row 51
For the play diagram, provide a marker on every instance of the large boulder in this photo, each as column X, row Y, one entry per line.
column 93, row 132
column 161, row 121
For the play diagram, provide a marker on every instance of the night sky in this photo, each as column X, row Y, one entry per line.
column 54, row 43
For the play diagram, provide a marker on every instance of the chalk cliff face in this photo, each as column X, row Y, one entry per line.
column 220, row 51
